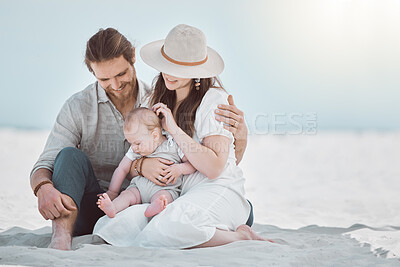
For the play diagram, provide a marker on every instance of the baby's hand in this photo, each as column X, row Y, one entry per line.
column 173, row 172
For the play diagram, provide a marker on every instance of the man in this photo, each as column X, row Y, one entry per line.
column 87, row 141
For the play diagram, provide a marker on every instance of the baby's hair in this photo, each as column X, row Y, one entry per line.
column 144, row 116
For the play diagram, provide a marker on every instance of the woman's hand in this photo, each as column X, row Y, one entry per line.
column 154, row 169
column 168, row 122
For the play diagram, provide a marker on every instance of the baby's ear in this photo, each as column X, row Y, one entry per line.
column 155, row 133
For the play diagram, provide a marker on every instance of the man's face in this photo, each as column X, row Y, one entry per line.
column 116, row 76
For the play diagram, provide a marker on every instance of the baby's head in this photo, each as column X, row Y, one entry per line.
column 142, row 129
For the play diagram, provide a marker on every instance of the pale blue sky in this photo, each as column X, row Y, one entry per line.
column 338, row 59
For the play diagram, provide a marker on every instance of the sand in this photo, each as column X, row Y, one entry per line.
column 333, row 197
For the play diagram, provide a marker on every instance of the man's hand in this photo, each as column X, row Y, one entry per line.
column 234, row 118
column 53, row 204
column 154, row 169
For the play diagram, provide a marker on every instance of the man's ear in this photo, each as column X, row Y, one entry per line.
column 91, row 69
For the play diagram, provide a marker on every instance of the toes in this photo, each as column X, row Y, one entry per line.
column 163, row 200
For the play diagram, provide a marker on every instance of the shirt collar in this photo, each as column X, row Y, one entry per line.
column 101, row 94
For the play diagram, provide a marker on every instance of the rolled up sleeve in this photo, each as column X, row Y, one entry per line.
column 66, row 132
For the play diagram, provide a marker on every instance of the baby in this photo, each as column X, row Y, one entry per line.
column 143, row 131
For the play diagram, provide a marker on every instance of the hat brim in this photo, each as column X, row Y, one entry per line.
column 151, row 55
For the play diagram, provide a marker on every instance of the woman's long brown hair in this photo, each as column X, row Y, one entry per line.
column 186, row 113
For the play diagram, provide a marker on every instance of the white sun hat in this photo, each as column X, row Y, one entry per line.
column 184, row 54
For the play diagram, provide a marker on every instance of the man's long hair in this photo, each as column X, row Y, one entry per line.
column 106, row 45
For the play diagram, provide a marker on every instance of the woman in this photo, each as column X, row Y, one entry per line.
column 212, row 204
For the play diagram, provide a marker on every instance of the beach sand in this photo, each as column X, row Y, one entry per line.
column 333, row 197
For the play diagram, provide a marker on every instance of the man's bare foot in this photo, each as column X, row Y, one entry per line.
column 156, row 206
column 61, row 241
column 249, row 234
column 106, row 205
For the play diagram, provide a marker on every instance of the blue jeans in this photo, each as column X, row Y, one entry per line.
column 73, row 175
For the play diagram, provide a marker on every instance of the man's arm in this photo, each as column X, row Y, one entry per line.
column 234, row 118
column 65, row 133
column 40, row 175
column 51, row 203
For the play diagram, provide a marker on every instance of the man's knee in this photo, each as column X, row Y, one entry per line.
column 71, row 154
column 71, row 161
column 73, row 174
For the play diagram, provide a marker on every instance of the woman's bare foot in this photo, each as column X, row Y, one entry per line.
column 248, row 233
column 106, row 205
column 156, row 206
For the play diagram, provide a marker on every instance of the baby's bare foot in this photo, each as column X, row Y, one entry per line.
column 249, row 234
column 106, row 205
column 156, row 206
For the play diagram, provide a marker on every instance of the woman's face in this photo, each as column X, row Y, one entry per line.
column 174, row 83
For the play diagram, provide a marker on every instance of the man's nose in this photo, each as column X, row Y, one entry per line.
column 115, row 84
